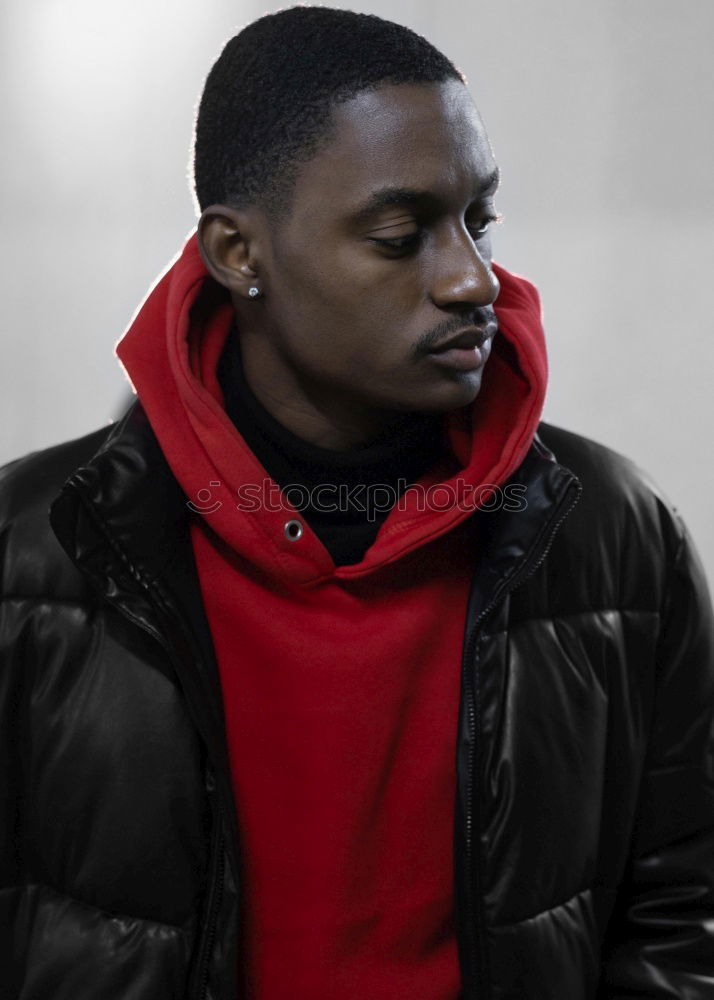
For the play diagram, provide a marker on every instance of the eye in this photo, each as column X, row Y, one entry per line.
column 480, row 229
column 403, row 245
column 400, row 243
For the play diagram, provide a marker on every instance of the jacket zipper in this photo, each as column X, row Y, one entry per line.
column 474, row 901
column 217, row 869
column 216, row 877
column 214, row 902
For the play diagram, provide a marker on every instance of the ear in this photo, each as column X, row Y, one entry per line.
column 227, row 239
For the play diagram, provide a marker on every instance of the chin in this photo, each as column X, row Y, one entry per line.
column 450, row 394
column 435, row 396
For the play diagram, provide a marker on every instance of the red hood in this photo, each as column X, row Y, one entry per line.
column 170, row 353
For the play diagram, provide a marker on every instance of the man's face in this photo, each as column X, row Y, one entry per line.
column 384, row 261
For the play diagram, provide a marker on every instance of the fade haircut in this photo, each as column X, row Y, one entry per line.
column 267, row 102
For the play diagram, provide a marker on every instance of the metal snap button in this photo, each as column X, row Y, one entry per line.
column 293, row 530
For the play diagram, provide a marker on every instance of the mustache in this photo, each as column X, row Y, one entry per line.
column 483, row 317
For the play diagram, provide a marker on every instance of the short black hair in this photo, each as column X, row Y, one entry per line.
column 267, row 101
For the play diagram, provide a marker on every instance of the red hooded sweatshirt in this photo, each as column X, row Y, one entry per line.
column 340, row 684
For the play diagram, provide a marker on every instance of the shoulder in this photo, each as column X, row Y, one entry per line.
column 595, row 464
column 32, row 562
column 615, row 489
column 622, row 542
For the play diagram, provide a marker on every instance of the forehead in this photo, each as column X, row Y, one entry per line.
column 418, row 136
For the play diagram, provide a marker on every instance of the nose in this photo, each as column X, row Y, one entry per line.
column 463, row 273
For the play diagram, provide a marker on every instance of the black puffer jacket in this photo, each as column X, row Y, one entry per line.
column 584, row 812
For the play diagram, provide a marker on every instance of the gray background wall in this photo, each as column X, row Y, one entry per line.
column 600, row 115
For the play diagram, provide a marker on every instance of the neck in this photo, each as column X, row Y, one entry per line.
column 328, row 421
column 328, row 427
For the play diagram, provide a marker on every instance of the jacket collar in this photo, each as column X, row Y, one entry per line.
column 515, row 541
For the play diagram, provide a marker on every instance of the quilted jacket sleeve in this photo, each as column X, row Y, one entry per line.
column 660, row 941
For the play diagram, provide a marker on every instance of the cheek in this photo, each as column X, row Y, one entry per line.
column 347, row 308
column 314, row 285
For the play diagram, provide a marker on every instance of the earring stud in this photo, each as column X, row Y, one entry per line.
column 254, row 292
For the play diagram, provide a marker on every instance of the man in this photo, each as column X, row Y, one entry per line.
column 333, row 673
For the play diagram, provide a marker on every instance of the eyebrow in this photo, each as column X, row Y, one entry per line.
column 386, row 197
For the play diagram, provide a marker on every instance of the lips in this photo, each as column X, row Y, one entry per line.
column 465, row 340
column 465, row 351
